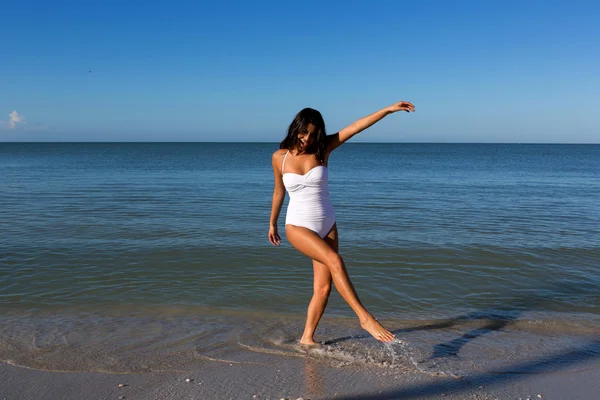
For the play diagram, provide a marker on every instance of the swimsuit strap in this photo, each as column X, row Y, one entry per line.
column 283, row 163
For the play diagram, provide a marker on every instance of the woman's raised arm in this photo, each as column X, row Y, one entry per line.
column 360, row 125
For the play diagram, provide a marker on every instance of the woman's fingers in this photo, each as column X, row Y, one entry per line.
column 404, row 106
column 274, row 239
column 408, row 106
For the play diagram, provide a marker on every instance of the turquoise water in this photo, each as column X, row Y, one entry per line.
column 113, row 233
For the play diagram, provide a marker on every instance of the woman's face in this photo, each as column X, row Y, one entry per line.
column 306, row 137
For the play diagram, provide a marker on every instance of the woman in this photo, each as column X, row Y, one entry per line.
column 300, row 167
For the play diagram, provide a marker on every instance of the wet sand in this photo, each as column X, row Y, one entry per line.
column 294, row 378
column 258, row 358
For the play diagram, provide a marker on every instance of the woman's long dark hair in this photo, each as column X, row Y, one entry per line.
column 300, row 122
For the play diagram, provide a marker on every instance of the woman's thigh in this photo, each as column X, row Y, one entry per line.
column 332, row 238
column 312, row 245
column 322, row 275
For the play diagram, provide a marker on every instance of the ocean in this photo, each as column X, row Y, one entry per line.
column 133, row 257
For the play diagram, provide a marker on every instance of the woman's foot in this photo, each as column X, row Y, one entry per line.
column 307, row 342
column 308, row 346
column 376, row 330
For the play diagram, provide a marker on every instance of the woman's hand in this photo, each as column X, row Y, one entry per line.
column 401, row 106
column 274, row 236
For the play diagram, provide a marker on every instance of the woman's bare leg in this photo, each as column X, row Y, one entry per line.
column 321, row 291
column 316, row 307
column 311, row 245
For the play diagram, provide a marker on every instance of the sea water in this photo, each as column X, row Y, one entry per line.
column 154, row 256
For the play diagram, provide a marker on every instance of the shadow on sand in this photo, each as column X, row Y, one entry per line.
column 500, row 376
column 495, row 319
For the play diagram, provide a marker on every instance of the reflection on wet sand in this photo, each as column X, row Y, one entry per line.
column 312, row 378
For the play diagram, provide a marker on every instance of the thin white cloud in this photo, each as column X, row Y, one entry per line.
column 15, row 118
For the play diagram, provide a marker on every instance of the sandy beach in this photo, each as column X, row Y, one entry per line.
column 299, row 377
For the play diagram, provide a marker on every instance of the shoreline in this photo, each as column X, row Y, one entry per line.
column 458, row 347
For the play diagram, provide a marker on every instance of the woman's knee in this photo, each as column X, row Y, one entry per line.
column 335, row 263
column 323, row 290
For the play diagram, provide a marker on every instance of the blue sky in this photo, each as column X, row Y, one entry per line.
column 477, row 71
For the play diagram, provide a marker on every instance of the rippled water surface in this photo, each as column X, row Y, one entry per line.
column 147, row 232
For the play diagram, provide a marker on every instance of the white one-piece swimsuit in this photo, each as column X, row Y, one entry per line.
column 309, row 204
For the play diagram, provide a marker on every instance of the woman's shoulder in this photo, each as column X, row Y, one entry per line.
column 279, row 153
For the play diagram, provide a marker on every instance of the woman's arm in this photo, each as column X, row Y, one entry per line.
column 277, row 203
column 342, row 136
